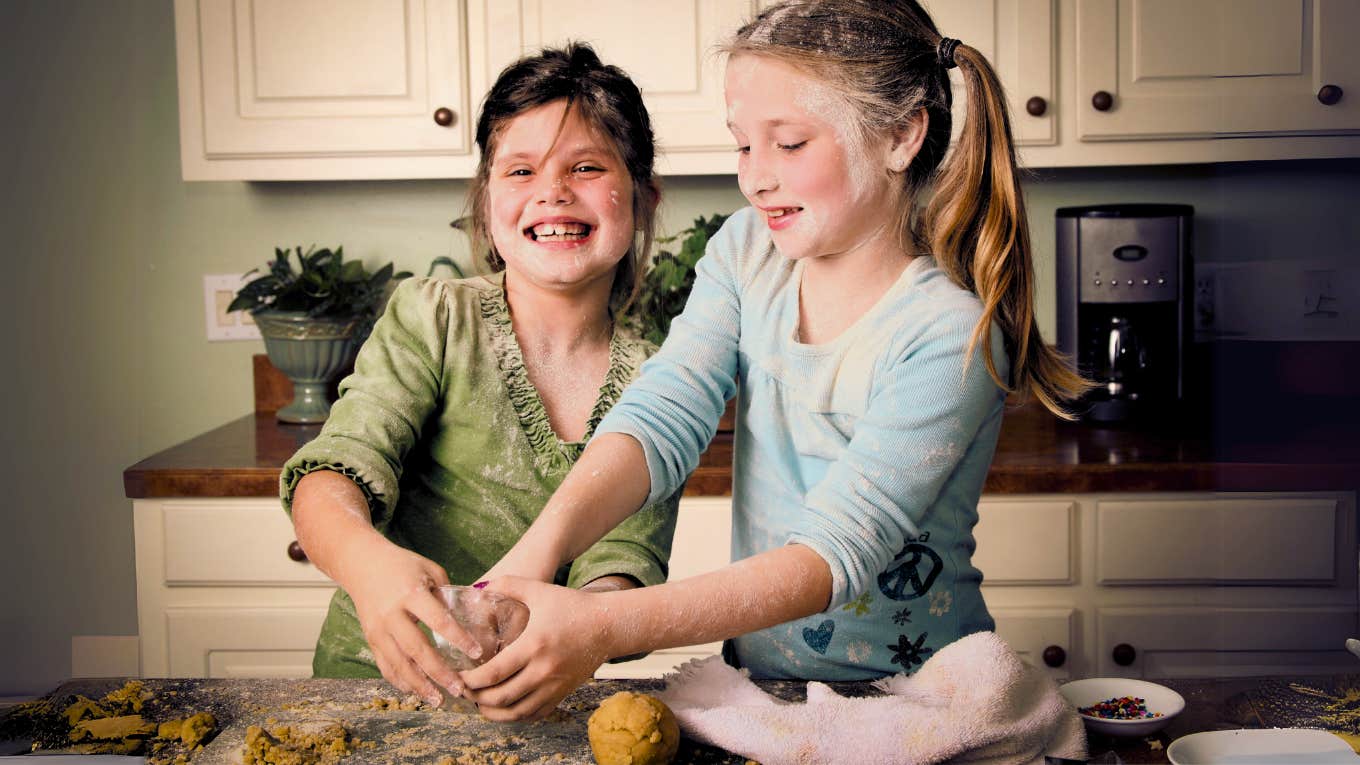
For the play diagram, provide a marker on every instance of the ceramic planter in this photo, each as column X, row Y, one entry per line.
column 310, row 351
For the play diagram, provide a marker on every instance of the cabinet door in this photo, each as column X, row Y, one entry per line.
column 667, row 48
column 1041, row 636
column 1207, row 641
column 242, row 642
column 1215, row 68
column 1017, row 37
column 320, row 87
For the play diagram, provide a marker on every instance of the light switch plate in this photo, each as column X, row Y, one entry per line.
column 218, row 291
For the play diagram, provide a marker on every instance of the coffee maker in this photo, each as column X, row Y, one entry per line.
column 1124, row 286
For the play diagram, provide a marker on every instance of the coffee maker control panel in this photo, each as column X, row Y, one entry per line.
column 1129, row 261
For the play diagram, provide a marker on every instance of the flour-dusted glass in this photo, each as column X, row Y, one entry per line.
column 491, row 619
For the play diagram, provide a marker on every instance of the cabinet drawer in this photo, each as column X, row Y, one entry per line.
column 1195, row 641
column 1210, row 541
column 232, row 542
column 1025, row 541
column 242, row 642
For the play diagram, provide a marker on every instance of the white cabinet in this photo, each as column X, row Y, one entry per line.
column 1176, row 585
column 328, row 89
column 668, row 50
column 1191, row 585
column 1214, row 68
column 219, row 596
column 1018, row 37
column 358, row 89
column 1168, row 81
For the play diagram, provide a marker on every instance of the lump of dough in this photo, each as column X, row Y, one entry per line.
column 633, row 729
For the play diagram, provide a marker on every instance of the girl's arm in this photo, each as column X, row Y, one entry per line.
column 571, row 633
column 391, row 586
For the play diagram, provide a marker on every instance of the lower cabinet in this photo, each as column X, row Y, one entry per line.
column 1137, row 585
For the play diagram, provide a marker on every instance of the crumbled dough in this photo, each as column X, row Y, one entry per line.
column 633, row 729
column 112, row 728
column 289, row 745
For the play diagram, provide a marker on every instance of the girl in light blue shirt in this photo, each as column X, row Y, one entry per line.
column 875, row 331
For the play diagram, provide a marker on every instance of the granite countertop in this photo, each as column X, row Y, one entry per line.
column 421, row 734
column 1269, row 449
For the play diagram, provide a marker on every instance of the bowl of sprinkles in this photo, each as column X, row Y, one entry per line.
column 1121, row 706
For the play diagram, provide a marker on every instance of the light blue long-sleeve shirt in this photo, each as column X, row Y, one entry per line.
column 870, row 449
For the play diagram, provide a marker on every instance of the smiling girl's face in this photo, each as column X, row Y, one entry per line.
column 559, row 201
column 823, row 189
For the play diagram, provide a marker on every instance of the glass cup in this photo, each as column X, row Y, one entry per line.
column 491, row 619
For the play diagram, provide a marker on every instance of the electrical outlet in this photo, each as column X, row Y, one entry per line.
column 218, row 291
column 1320, row 297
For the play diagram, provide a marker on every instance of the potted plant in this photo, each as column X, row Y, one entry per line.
column 313, row 319
column 667, row 285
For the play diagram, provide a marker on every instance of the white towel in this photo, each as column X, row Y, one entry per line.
column 974, row 701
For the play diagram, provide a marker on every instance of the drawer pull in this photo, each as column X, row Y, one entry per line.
column 296, row 552
column 1055, row 656
column 1036, row 106
column 443, row 116
column 1329, row 95
column 1123, row 654
column 1102, row 101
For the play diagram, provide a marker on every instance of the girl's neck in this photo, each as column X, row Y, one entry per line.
column 559, row 323
column 836, row 290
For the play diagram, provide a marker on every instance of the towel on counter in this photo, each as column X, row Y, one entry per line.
column 974, row 701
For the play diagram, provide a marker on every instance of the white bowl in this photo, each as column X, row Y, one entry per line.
column 1159, row 698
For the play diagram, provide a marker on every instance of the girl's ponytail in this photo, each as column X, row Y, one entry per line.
column 976, row 227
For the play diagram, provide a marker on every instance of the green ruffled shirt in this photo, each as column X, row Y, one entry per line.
column 441, row 428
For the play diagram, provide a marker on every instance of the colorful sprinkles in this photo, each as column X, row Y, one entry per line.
column 1120, row 708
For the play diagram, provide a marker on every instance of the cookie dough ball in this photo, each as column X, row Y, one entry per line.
column 633, row 729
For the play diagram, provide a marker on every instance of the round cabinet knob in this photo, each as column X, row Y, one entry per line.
column 1055, row 656
column 296, row 552
column 1123, row 654
column 1102, row 101
column 1330, row 94
column 443, row 116
column 1036, row 106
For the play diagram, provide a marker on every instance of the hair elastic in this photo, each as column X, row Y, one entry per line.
column 944, row 51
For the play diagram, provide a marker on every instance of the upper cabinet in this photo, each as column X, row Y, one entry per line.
column 327, row 89
column 1017, row 36
column 668, row 48
column 356, row 89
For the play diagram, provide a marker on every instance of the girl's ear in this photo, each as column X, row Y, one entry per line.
column 906, row 142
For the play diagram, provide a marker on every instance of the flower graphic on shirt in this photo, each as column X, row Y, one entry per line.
column 859, row 605
column 908, row 653
column 902, row 617
column 941, row 602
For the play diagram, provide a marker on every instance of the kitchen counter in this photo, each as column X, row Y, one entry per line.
column 1285, row 446
column 397, row 735
column 1036, row 453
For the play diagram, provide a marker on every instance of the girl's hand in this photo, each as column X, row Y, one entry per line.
column 394, row 589
column 563, row 645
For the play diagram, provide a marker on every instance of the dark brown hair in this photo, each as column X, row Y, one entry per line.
column 883, row 57
column 606, row 98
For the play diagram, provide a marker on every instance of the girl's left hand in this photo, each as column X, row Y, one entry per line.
column 560, row 649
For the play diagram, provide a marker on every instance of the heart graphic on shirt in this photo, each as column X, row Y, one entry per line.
column 820, row 638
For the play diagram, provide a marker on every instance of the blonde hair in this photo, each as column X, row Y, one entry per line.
column 884, row 58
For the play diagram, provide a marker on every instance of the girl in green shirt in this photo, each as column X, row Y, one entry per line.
column 472, row 398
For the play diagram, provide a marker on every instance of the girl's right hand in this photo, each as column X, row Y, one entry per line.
column 393, row 589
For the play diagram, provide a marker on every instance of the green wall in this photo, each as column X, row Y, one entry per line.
column 105, row 247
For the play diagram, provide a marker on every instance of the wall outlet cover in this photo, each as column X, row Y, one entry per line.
column 218, row 291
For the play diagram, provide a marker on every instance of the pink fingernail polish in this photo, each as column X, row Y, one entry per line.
column 480, row 585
